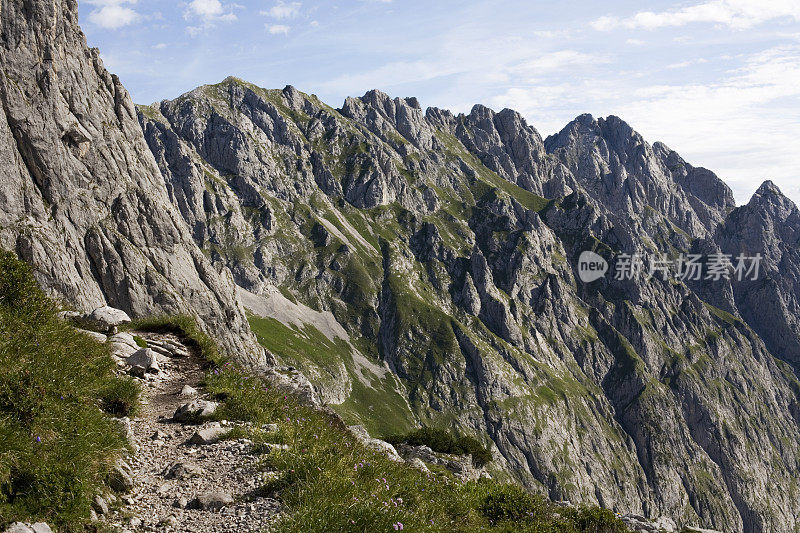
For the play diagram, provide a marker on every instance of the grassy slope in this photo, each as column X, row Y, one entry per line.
column 330, row 482
column 56, row 386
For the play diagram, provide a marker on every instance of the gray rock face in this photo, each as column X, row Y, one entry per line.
column 768, row 225
column 83, row 200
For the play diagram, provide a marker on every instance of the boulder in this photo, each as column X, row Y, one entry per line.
column 105, row 319
column 183, row 471
column 377, row 445
column 18, row 527
column 146, row 358
column 124, row 338
column 99, row 505
column 188, row 392
column 193, row 411
column 120, row 479
column 99, row 337
column 207, row 436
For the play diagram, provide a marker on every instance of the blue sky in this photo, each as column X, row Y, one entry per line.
column 716, row 80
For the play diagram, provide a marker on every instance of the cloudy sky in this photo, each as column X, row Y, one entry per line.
column 716, row 80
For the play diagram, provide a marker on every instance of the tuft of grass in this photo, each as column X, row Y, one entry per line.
column 441, row 441
column 57, row 388
column 140, row 342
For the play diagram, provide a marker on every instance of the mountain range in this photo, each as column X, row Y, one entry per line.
column 420, row 267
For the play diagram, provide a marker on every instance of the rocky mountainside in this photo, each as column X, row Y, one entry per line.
column 82, row 198
column 421, row 267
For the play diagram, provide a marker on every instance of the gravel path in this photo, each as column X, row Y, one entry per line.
column 210, row 475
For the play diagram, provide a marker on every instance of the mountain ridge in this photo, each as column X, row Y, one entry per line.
column 473, row 226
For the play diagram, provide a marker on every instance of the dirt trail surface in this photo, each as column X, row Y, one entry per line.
column 206, row 485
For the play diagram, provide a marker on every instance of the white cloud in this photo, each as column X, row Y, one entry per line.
column 635, row 42
column 112, row 14
column 688, row 63
column 277, row 29
column 159, row 46
column 206, row 8
column 737, row 14
column 313, row 23
column 209, row 13
column 283, row 10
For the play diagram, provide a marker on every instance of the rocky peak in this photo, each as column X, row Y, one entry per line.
column 768, row 196
column 384, row 115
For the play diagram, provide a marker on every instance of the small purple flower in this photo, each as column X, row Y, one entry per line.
column 38, row 439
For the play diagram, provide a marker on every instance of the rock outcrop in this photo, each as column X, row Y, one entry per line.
column 82, row 198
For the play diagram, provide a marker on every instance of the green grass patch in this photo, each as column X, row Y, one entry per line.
column 140, row 342
column 299, row 345
column 57, row 388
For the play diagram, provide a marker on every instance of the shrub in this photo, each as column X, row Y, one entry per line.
column 596, row 520
column 441, row 441
column 56, row 444
column 509, row 502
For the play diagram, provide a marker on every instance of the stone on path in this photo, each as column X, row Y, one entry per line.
column 146, row 358
column 207, row 436
column 190, row 412
column 183, row 471
column 212, row 501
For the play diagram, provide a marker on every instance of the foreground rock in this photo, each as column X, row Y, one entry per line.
column 378, row 445
column 20, row 527
column 212, row 501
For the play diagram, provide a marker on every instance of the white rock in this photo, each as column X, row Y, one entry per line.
column 106, row 318
column 191, row 411
column 146, row 358
column 124, row 338
column 207, row 436
column 18, row 527
column 99, row 337
column 188, row 392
